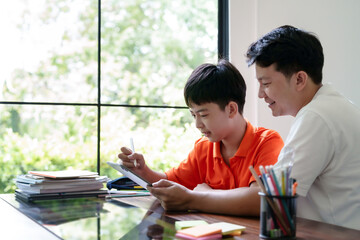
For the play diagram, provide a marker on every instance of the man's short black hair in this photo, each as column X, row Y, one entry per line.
column 291, row 49
column 218, row 84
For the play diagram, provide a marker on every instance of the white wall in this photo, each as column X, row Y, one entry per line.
column 335, row 22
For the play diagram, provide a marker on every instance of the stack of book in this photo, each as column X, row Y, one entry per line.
column 37, row 185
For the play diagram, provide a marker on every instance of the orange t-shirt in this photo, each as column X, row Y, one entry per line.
column 260, row 146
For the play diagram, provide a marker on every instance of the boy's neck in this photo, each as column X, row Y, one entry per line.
column 230, row 145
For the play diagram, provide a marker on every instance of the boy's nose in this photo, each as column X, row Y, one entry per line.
column 198, row 123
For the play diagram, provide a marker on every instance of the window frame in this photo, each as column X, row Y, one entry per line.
column 223, row 52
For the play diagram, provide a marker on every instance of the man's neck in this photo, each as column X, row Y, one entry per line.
column 308, row 95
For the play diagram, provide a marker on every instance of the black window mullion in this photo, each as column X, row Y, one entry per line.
column 99, row 88
column 223, row 29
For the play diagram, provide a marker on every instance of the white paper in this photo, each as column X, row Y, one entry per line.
column 128, row 173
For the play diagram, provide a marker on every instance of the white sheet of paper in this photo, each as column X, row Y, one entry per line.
column 128, row 173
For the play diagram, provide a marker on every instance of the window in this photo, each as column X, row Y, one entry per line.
column 82, row 77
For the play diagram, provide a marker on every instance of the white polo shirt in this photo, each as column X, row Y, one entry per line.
column 325, row 138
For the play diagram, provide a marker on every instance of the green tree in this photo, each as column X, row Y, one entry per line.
column 148, row 49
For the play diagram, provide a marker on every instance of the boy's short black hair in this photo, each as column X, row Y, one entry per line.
column 218, row 84
column 291, row 49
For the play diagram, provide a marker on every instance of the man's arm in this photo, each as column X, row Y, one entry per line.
column 239, row 201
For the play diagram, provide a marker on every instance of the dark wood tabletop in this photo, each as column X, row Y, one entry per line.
column 106, row 220
column 305, row 229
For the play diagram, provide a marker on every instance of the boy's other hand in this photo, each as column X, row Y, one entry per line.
column 173, row 196
column 128, row 158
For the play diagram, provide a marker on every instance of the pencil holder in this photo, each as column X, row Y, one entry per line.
column 277, row 216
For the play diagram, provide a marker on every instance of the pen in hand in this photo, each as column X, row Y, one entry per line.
column 133, row 149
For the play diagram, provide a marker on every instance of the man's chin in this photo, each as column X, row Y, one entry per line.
column 276, row 114
column 279, row 114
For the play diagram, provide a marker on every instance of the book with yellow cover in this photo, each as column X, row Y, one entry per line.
column 229, row 228
column 200, row 231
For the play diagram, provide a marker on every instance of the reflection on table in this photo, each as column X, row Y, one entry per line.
column 143, row 218
column 82, row 218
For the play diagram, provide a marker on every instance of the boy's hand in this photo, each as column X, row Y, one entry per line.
column 173, row 196
column 128, row 159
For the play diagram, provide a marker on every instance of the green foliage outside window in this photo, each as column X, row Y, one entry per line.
column 148, row 50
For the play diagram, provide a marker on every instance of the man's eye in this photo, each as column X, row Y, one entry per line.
column 265, row 83
column 204, row 115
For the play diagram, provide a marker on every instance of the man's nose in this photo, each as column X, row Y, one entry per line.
column 261, row 93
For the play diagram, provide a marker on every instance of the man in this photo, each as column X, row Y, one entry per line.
column 215, row 177
column 324, row 136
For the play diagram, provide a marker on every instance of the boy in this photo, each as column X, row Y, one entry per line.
column 215, row 177
column 326, row 162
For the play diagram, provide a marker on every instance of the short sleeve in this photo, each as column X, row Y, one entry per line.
column 268, row 151
column 187, row 173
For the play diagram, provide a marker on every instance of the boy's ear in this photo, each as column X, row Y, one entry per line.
column 233, row 109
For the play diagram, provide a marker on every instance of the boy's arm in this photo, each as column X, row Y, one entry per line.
column 128, row 158
column 241, row 201
column 151, row 175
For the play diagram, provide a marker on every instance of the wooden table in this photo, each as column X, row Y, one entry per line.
column 16, row 224
column 305, row 229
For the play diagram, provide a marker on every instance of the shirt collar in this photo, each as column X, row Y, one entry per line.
column 245, row 144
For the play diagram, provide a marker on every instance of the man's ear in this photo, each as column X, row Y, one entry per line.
column 302, row 79
column 232, row 109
